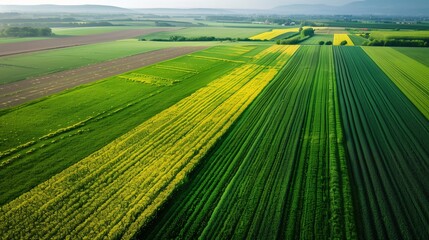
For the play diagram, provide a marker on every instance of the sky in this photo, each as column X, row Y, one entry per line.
column 243, row 4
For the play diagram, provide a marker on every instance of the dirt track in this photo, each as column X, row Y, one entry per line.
column 13, row 94
column 39, row 45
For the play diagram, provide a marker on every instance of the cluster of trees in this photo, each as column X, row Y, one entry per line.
column 199, row 39
column 397, row 42
column 26, row 32
column 326, row 43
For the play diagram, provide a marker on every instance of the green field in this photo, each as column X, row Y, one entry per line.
column 281, row 161
column 357, row 40
column 15, row 68
column 13, row 40
column 82, row 31
column 387, row 140
column 220, row 32
column 69, row 32
column 243, row 140
column 411, row 35
column 419, row 54
column 317, row 38
column 115, row 104
column 122, row 178
column 414, row 82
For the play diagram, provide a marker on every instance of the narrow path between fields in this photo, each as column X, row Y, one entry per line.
column 24, row 91
column 39, row 45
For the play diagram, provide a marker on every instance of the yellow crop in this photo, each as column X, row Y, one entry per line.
column 273, row 34
column 113, row 192
column 338, row 38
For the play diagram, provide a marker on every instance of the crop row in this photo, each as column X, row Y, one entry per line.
column 408, row 74
column 386, row 138
column 115, row 190
column 280, row 172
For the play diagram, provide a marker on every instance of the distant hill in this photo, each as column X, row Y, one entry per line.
column 368, row 7
column 48, row 8
column 374, row 7
column 190, row 11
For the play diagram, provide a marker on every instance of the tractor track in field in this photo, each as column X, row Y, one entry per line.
column 47, row 44
column 17, row 93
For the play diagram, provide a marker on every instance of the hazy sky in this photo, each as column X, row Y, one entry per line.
column 178, row 3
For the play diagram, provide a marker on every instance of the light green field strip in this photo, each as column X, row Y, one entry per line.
column 419, row 54
column 411, row 76
column 113, row 192
column 13, row 40
column 20, row 67
column 400, row 34
column 82, row 31
column 219, row 32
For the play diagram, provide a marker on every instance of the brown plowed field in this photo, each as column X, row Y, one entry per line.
column 20, row 92
column 39, row 45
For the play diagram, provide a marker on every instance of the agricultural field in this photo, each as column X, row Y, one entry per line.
column 387, row 140
column 283, row 161
column 412, row 81
column 83, row 31
column 80, row 116
column 141, row 139
column 53, row 43
column 357, row 40
column 69, row 32
column 314, row 40
column 410, row 35
column 123, row 179
column 338, row 38
column 13, row 40
column 20, row 67
column 24, row 91
column 274, row 33
column 419, row 54
column 219, row 32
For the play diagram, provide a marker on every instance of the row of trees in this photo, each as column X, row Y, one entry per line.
column 397, row 42
column 26, row 32
column 200, row 39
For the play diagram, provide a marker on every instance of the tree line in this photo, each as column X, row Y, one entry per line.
column 26, row 32
column 199, row 39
